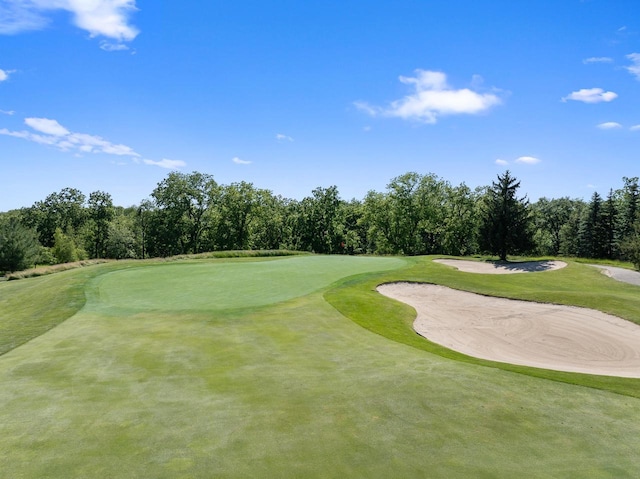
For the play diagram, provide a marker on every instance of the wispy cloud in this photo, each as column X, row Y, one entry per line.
column 282, row 138
column 238, row 161
column 17, row 16
column 528, row 160
column 432, row 97
column 635, row 128
column 4, row 74
column 634, row 68
column 113, row 47
column 50, row 132
column 609, row 125
column 106, row 18
column 591, row 95
column 168, row 164
column 46, row 126
column 586, row 61
column 7, row 112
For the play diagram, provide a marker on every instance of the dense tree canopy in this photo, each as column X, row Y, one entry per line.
column 415, row 214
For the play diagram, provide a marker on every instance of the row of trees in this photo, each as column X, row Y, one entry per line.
column 417, row 214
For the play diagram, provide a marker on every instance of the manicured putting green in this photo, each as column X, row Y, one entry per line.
column 226, row 285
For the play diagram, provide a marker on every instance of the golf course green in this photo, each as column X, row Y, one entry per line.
column 292, row 367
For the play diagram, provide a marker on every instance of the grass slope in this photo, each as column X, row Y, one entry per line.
column 285, row 389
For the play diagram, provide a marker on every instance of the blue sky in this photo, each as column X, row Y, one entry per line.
column 290, row 95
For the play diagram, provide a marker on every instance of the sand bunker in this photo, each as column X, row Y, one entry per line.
column 501, row 268
column 547, row 336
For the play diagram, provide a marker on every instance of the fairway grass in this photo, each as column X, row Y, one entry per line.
column 284, row 386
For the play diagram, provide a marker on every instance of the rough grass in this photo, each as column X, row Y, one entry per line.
column 56, row 268
column 286, row 389
column 32, row 307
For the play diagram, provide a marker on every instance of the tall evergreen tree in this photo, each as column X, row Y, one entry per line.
column 506, row 224
column 19, row 247
column 592, row 234
column 609, row 226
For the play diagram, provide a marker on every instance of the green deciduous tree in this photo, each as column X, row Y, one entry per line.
column 101, row 212
column 460, row 223
column 121, row 239
column 410, row 217
column 64, row 210
column 630, row 247
column 178, row 221
column 550, row 217
column 237, row 205
column 65, row 249
column 629, row 213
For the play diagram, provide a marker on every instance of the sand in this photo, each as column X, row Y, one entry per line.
column 546, row 336
column 483, row 267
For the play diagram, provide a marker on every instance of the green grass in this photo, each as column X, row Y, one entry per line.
column 576, row 285
column 283, row 388
column 226, row 285
column 30, row 308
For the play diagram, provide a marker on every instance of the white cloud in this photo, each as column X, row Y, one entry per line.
column 635, row 68
column 432, row 97
column 18, row 16
column 609, row 125
column 113, row 47
column 501, row 162
column 281, row 137
column 4, row 75
column 635, row 128
column 52, row 133
column 591, row 95
column 238, row 161
column 597, row 60
column 107, row 18
column 168, row 164
column 528, row 160
column 7, row 112
column 46, row 126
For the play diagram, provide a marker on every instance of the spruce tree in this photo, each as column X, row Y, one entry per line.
column 506, row 224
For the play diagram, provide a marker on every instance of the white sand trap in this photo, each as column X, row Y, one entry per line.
column 562, row 338
column 501, row 268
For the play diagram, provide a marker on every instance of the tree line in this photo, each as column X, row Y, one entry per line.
column 417, row 214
